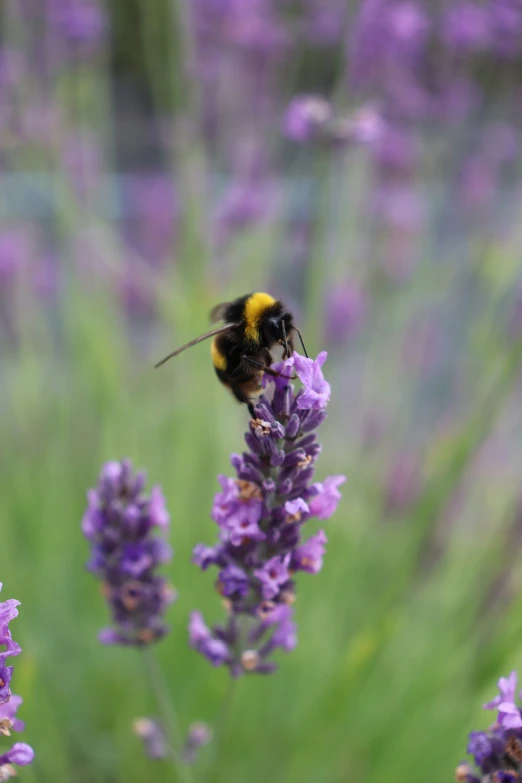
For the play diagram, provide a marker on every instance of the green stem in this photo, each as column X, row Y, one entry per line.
column 168, row 714
column 221, row 721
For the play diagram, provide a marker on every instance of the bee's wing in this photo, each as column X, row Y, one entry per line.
column 218, row 312
column 196, row 340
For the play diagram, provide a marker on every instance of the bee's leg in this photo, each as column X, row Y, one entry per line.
column 268, row 370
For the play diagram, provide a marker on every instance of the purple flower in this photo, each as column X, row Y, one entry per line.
column 285, row 634
column 309, row 556
column 467, row 27
column 119, row 524
column 296, row 508
column 307, row 118
column 481, row 747
column 202, row 639
column 237, row 510
column 9, row 647
column 403, row 482
column 199, row 734
column 20, row 753
column 233, row 581
column 345, row 309
column 261, row 514
column 79, row 24
column 326, row 497
column 8, row 719
column 273, row 575
column 153, row 736
column 508, row 713
column 204, row 556
column 497, row 750
column 316, row 394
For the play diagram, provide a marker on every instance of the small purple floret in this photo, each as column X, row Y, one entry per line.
column 508, row 713
column 316, row 394
column 324, row 503
column 307, row 118
column 201, row 638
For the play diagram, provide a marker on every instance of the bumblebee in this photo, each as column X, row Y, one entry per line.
column 257, row 331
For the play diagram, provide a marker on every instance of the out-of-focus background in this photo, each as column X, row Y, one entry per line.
column 360, row 160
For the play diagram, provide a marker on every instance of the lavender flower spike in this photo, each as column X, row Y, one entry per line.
column 261, row 515
column 497, row 752
column 20, row 753
column 119, row 524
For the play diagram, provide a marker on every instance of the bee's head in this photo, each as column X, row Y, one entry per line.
column 277, row 329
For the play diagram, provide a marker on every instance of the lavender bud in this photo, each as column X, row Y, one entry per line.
column 153, row 736
column 199, row 734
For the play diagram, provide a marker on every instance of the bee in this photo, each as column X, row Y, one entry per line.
column 257, row 331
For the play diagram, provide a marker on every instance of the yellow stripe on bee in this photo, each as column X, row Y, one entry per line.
column 218, row 360
column 255, row 307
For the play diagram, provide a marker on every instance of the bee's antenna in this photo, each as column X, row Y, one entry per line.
column 197, row 340
column 302, row 343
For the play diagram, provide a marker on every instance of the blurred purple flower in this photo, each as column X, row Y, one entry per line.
column 79, row 25
column 199, row 734
column 326, row 497
column 16, row 253
column 8, row 612
column 323, row 25
column 8, row 719
column 20, row 753
column 366, row 125
column 273, row 575
column 206, row 642
column 403, row 483
column 496, row 752
column 345, row 309
column 506, row 26
column 466, row 27
column 153, row 736
column 119, row 523
column 82, row 162
column 260, row 515
column 316, row 392
column 309, row 556
column 509, row 715
column 307, row 118
column 150, row 200
column 251, row 26
column 247, row 201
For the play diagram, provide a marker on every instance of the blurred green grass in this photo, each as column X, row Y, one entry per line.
column 398, row 645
